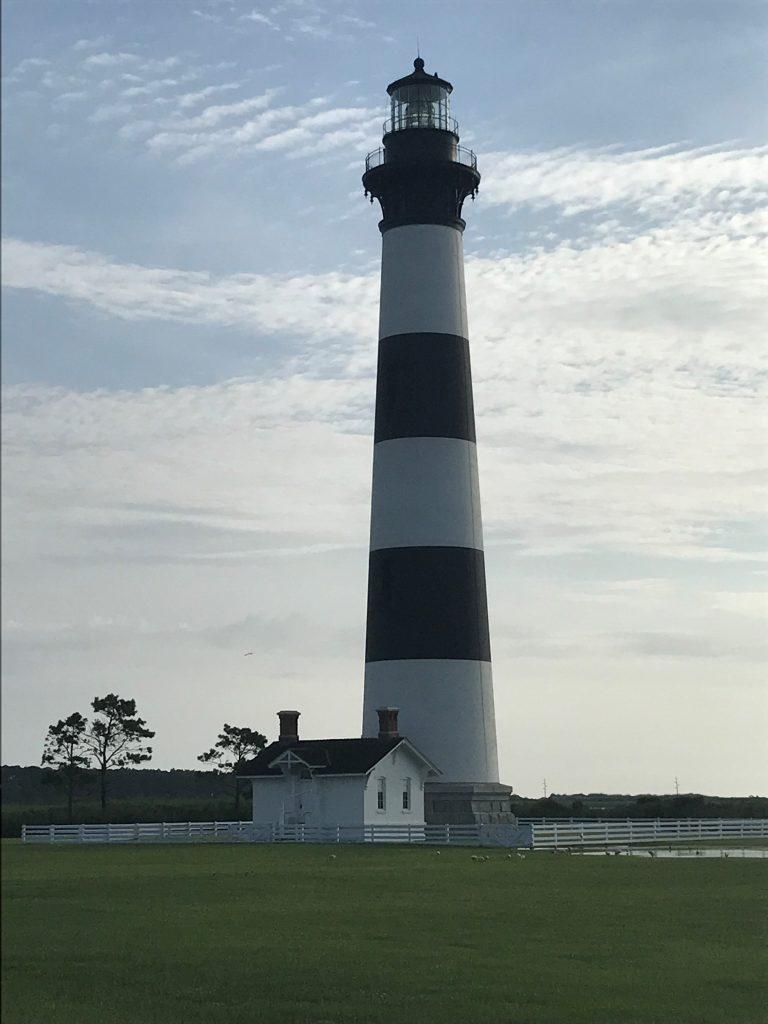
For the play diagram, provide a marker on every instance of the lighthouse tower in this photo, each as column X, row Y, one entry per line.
column 428, row 649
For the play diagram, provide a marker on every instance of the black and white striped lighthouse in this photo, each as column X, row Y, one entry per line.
column 428, row 648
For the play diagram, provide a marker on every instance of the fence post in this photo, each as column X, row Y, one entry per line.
column 80, row 834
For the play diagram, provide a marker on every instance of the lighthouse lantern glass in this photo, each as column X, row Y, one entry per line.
column 426, row 105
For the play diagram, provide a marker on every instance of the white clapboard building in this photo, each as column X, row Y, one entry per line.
column 376, row 780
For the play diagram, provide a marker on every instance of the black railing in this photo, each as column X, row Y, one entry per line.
column 462, row 156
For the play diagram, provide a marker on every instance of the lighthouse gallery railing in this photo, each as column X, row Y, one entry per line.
column 462, row 156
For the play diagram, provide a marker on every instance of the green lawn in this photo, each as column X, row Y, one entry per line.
column 288, row 934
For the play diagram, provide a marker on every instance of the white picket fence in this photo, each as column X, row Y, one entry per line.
column 143, row 832
column 556, row 834
column 250, row 832
column 541, row 834
column 440, row 835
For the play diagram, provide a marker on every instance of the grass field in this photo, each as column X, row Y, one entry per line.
column 288, row 934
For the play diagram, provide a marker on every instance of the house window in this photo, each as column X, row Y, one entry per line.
column 381, row 795
column 406, row 794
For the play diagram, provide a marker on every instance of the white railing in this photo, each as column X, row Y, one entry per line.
column 443, row 835
column 554, row 834
column 542, row 834
column 247, row 831
column 143, row 832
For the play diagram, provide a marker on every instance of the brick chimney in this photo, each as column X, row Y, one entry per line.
column 387, row 723
column 289, row 726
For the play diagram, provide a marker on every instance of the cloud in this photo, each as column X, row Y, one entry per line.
column 689, row 645
column 352, row 19
column 619, row 384
column 652, row 180
column 90, row 44
column 106, row 60
column 149, row 88
column 135, row 129
column 299, row 130
column 213, row 115
column 320, row 306
column 191, row 98
column 163, row 64
column 28, row 64
column 71, row 97
column 257, row 17
column 220, row 130
column 110, row 112
column 206, row 16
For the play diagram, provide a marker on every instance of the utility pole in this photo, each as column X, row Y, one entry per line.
column 677, row 787
column 545, row 789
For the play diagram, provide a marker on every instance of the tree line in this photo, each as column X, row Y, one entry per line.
column 116, row 737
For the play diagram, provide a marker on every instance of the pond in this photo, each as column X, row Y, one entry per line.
column 706, row 851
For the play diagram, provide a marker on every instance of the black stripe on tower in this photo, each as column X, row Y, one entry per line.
column 424, row 387
column 427, row 602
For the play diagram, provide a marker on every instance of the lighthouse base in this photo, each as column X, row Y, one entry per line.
column 468, row 803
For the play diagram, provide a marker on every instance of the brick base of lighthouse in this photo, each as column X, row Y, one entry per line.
column 468, row 803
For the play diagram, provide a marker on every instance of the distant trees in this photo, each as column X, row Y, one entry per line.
column 116, row 737
column 67, row 754
column 235, row 744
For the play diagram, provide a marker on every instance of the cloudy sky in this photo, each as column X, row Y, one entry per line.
column 190, row 308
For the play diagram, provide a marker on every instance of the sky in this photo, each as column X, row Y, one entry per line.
column 190, row 292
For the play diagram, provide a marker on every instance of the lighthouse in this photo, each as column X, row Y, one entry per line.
column 428, row 650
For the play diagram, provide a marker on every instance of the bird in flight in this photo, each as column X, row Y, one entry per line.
column 248, row 654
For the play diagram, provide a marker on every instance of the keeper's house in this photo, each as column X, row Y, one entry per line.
column 370, row 781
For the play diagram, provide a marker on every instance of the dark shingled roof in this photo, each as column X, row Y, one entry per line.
column 326, row 757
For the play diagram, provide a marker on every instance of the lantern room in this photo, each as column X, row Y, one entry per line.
column 420, row 101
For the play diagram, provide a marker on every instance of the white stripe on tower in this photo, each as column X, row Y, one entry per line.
column 428, row 648
column 426, row 493
column 422, row 281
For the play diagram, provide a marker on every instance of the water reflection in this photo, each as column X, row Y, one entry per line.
column 708, row 851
